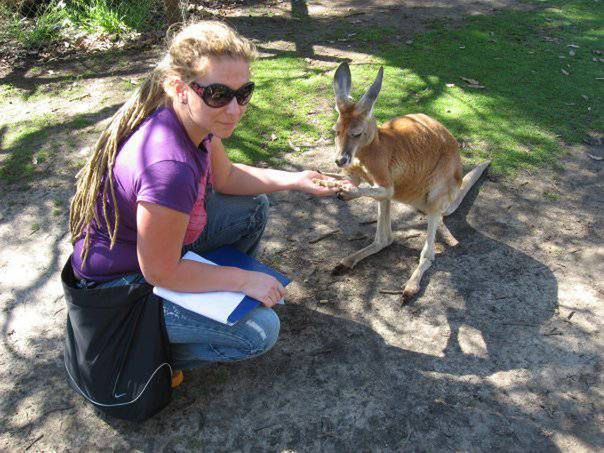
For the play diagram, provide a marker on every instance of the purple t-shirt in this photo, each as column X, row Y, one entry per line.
column 158, row 163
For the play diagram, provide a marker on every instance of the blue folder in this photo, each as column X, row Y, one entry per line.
column 228, row 256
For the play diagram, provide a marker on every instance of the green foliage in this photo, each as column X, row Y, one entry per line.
column 61, row 20
column 112, row 17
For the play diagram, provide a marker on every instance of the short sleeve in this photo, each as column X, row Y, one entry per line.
column 168, row 183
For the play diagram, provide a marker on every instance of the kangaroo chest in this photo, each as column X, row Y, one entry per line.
column 359, row 173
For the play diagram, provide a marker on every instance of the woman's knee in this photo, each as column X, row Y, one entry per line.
column 263, row 326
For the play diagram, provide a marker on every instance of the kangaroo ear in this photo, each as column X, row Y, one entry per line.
column 342, row 83
column 366, row 103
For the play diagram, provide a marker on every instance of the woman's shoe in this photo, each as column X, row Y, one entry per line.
column 177, row 378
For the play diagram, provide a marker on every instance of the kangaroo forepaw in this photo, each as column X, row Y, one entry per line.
column 348, row 193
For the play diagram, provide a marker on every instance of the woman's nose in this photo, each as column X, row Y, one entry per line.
column 233, row 108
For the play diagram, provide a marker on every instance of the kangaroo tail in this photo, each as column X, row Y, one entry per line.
column 466, row 184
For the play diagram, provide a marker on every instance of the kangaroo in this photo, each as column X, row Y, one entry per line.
column 411, row 159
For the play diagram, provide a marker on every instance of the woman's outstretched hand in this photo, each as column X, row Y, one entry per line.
column 263, row 287
column 318, row 184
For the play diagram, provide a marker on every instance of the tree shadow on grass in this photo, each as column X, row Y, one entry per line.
column 98, row 65
column 17, row 166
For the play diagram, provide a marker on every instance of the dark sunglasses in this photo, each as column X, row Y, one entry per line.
column 218, row 95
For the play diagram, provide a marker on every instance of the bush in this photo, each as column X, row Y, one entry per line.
column 36, row 24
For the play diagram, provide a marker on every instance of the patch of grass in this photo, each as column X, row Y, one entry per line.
column 526, row 110
column 24, row 140
column 113, row 17
column 28, row 144
column 60, row 20
column 360, row 34
column 528, row 104
column 283, row 112
column 552, row 196
column 44, row 28
column 7, row 91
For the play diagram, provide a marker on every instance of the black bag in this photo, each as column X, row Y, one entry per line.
column 117, row 352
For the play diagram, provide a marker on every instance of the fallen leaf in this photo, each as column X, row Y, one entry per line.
column 571, row 52
column 273, row 137
column 565, row 72
column 450, row 85
column 470, row 81
column 595, row 157
column 573, row 46
column 585, row 97
column 292, row 146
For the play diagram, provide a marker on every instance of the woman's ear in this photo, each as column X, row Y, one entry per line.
column 177, row 90
column 181, row 91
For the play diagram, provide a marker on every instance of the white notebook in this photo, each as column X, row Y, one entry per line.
column 226, row 307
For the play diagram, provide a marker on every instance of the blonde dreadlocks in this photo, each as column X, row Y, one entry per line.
column 186, row 60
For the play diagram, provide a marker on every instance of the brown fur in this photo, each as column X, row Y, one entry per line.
column 416, row 155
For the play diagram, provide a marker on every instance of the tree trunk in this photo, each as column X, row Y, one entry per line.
column 173, row 12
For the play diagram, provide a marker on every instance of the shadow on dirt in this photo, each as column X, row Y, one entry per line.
column 334, row 383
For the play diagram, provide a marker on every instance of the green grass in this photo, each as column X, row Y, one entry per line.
column 61, row 20
column 527, row 108
column 284, row 107
column 30, row 146
column 551, row 196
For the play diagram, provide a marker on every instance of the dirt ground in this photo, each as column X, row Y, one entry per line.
column 502, row 350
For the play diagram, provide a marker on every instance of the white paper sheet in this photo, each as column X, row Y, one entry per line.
column 216, row 305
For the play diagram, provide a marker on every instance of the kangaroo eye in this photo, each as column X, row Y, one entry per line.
column 356, row 134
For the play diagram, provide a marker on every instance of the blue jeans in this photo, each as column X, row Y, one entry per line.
column 196, row 340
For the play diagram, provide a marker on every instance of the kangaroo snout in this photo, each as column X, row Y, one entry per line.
column 342, row 161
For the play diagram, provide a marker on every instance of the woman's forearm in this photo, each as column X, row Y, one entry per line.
column 247, row 180
column 192, row 276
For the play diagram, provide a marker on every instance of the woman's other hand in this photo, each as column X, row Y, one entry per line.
column 263, row 287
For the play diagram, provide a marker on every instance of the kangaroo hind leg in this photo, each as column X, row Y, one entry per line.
column 425, row 259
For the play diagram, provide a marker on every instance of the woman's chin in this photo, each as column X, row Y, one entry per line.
column 223, row 132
